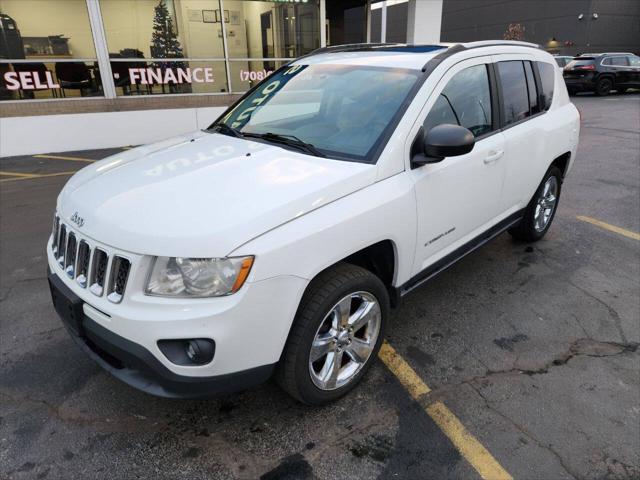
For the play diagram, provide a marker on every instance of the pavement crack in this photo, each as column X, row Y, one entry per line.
column 527, row 433
column 615, row 316
column 583, row 347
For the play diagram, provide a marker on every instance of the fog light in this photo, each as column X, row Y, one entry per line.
column 188, row 351
column 199, row 350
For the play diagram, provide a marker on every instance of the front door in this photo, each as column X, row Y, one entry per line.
column 459, row 197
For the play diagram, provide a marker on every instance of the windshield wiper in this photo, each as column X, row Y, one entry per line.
column 225, row 130
column 289, row 140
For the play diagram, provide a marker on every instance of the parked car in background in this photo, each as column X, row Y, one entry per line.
column 562, row 60
column 277, row 239
column 602, row 73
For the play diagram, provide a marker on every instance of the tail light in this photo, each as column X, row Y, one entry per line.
column 591, row 66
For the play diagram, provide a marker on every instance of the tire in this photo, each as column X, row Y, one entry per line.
column 532, row 227
column 314, row 323
column 603, row 87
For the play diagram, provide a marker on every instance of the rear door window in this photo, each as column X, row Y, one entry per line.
column 634, row 61
column 615, row 61
column 547, row 82
column 531, row 86
column 515, row 93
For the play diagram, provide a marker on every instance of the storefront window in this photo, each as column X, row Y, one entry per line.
column 46, row 50
column 169, row 77
column 282, row 29
column 153, row 47
column 247, row 73
column 163, row 28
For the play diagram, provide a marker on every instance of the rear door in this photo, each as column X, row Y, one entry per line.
column 618, row 66
column 523, row 103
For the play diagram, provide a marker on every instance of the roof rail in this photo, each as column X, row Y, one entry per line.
column 369, row 47
column 495, row 43
column 459, row 47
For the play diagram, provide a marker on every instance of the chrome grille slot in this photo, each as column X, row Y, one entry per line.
column 62, row 244
column 56, row 230
column 70, row 256
column 98, row 272
column 82, row 265
column 118, row 279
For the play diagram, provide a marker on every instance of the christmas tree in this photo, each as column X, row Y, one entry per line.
column 164, row 41
column 165, row 44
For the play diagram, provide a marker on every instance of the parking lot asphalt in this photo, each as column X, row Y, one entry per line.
column 532, row 348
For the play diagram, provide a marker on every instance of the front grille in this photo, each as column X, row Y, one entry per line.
column 70, row 256
column 119, row 274
column 62, row 244
column 98, row 272
column 89, row 266
column 56, row 230
column 82, row 266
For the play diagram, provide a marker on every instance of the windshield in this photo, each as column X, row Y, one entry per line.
column 343, row 111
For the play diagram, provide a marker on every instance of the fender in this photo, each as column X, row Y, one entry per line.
column 304, row 247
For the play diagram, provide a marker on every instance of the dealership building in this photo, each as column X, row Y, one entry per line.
column 99, row 73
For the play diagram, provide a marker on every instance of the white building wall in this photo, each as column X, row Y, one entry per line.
column 84, row 131
column 424, row 21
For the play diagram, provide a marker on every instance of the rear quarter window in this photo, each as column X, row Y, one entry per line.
column 547, row 83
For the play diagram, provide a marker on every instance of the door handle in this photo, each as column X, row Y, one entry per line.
column 493, row 156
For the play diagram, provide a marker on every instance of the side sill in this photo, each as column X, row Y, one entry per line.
column 441, row 265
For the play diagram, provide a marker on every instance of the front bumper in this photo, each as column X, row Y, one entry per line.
column 134, row 364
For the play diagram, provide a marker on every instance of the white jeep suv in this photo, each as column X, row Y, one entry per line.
column 277, row 239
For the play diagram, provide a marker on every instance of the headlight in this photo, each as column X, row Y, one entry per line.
column 197, row 277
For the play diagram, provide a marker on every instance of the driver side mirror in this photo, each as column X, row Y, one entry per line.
column 446, row 140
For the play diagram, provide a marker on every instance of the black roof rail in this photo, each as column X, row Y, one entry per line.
column 460, row 47
column 419, row 48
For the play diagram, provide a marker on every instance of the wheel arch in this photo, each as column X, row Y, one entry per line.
column 562, row 162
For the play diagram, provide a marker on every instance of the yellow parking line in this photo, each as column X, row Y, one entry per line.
column 34, row 176
column 611, row 228
column 16, row 174
column 60, row 157
column 470, row 448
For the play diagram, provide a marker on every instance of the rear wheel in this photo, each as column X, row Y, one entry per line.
column 336, row 334
column 541, row 209
column 604, row 86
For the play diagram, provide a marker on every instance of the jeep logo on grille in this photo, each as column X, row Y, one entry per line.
column 77, row 219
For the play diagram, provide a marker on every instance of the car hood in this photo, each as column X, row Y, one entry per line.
column 201, row 195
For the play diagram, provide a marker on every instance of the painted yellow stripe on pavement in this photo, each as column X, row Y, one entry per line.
column 401, row 369
column 60, row 157
column 35, row 176
column 17, row 174
column 612, row 228
column 470, row 448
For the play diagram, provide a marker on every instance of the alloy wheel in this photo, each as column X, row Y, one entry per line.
column 546, row 204
column 345, row 340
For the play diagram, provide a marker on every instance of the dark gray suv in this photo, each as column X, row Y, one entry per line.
column 603, row 72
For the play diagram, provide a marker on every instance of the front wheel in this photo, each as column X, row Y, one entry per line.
column 541, row 209
column 336, row 334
